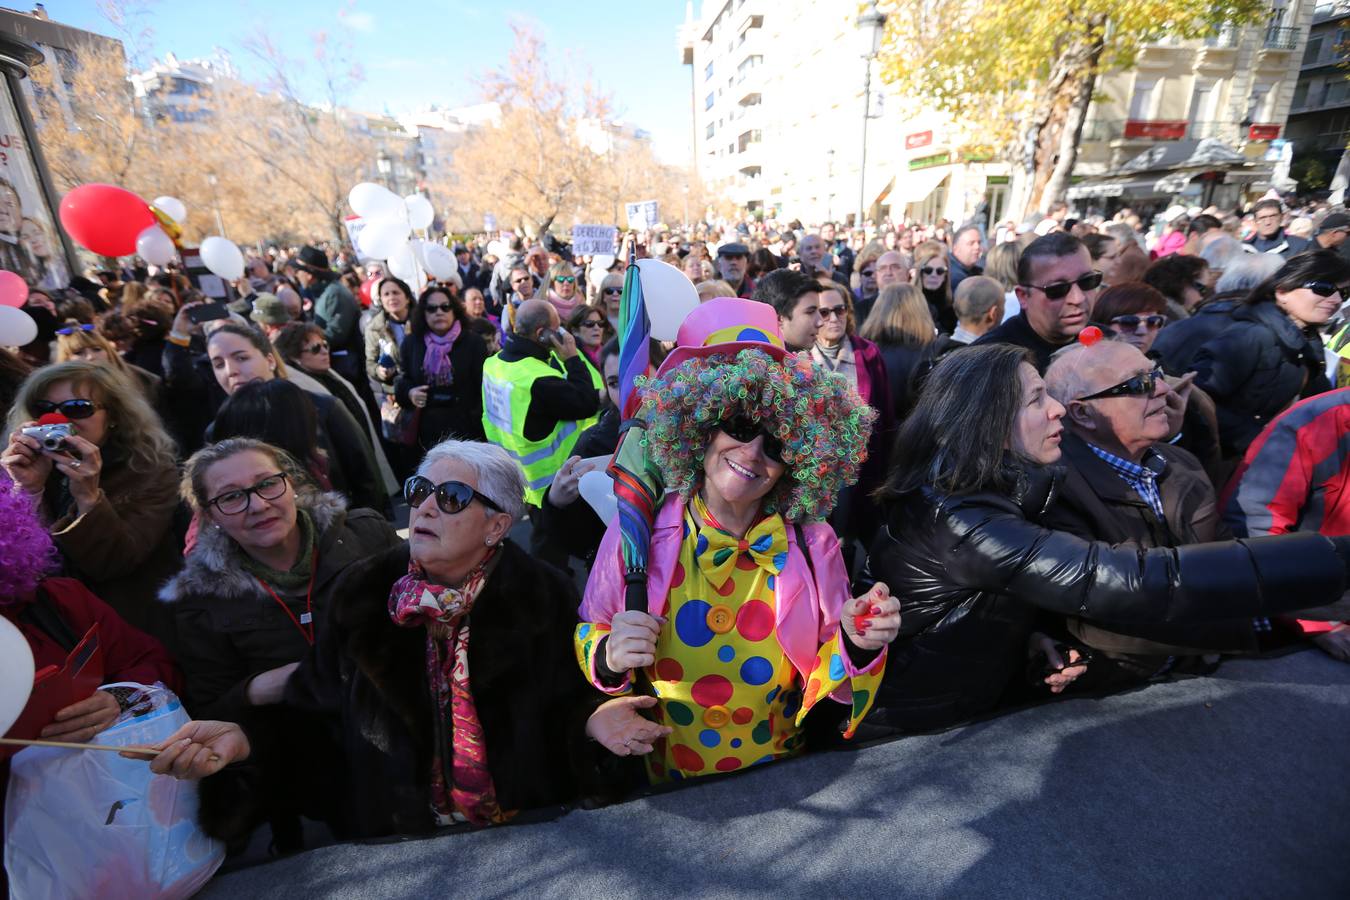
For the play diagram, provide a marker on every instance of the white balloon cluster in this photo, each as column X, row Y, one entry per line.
column 154, row 244
column 387, row 235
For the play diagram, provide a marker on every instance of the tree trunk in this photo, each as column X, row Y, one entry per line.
column 1070, row 135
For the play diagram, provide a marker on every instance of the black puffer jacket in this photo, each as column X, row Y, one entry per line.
column 1255, row 368
column 971, row 570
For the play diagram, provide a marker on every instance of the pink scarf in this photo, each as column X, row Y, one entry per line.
column 436, row 364
column 444, row 612
column 564, row 307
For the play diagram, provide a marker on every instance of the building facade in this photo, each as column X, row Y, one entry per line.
column 1319, row 114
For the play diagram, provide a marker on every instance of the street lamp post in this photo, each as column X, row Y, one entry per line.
column 871, row 25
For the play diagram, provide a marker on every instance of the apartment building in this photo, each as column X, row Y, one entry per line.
column 1319, row 115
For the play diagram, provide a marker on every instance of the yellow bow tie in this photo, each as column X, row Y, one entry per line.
column 717, row 551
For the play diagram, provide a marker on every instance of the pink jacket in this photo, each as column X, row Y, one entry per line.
column 810, row 596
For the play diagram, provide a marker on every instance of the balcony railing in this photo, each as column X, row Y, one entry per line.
column 1279, row 38
column 1227, row 131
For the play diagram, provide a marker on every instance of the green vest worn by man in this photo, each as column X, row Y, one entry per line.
column 506, row 403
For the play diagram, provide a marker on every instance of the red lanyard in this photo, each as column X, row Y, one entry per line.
column 307, row 617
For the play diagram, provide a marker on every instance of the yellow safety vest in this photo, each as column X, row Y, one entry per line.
column 506, row 403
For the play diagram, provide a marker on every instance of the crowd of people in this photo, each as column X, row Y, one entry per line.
column 905, row 477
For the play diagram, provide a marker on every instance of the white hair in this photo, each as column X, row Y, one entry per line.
column 500, row 477
column 1246, row 271
column 1221, row 251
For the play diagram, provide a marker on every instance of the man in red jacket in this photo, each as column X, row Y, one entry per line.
column 1296, row 477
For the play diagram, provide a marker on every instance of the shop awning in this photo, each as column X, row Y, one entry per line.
column 914, row 187
column 1106, row 186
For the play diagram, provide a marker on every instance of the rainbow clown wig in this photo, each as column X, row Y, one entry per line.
column 27, row 554
column 823, row 423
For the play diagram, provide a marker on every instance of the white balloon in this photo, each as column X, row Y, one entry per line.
column 420, row 211
column 381, row 238
column 374, row 201
column 438, row 260
column 597, row 487
column 222, row 257
column 16, row 667
column 154, row 246
column 402, row 263
column 602, row 261
column 17, row 327
column 669, row 296
column 173, row 208
column 496, row 248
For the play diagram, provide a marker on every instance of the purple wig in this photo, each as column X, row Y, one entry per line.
column 26, row 550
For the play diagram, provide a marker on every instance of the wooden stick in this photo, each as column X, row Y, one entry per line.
column 66, row 745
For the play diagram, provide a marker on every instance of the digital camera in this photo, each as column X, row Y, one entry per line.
column 51, row 437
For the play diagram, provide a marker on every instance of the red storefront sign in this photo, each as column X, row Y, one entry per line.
column 918, row 139
column 1155, row 130
column 1263, row 132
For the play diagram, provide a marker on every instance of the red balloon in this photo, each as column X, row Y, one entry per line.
column 105, row 219
column 13, row 290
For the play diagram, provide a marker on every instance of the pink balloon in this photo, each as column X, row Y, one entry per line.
column 13, row 290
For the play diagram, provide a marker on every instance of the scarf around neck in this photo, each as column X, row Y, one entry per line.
column 436, row 364
column 298, row 575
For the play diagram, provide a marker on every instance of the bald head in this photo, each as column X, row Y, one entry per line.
column 533, row 316
column 1126, row 424
column 892, row 268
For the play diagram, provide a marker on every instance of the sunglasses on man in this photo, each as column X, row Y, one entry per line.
column 1141, row 385
column 1058, row 290
column 451, row 496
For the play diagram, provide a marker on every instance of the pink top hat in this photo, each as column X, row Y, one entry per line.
column 726, row 325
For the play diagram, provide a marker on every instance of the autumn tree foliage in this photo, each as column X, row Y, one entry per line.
column 1020, row 74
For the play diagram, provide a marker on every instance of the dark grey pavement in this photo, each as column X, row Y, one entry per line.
column 1232, row 786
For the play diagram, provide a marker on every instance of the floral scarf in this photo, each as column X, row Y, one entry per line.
column 436, row 363
column 444, row 612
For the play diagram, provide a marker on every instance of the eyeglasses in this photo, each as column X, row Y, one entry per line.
column 612, row 382
column 1060, row 289
column 71, row 329
column 451, row 496
column 1320, row 288
column 439, row 307
column 75, row 408
column 1141, row 385
column 566, row 279
column 868, row 273
column 593, row 323
column 317, row 347
column 829, row 312
column 745, row 430
column 932, row 270
column 521, row 280
column 1130, row 323
column 612, row 292
column 232, row 503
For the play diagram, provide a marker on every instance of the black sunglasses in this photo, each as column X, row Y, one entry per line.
column 75, row 408
column 1320, row 288
column 439, row 307
column 1141, row 385
column 318, row 347
column 868, row 273
column 1060, row 289
column 1130, row 323
column 71, row 329
column 451, row 496
column 593, row 323
column 612, row 291
column 932, row 270
column 829, row 312
column 745, row 430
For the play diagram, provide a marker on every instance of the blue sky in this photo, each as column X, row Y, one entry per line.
column 415, row 52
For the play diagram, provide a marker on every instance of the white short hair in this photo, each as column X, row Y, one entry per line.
column 500, row 477
column 1246, row 271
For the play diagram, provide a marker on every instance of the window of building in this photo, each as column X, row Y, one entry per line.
column 1314, row 50
column 1338, row 91
column 708, row 72
column 1300, row 95
column 1142, row 102
column 1258, row 101
column 708, row 103
column 1202, row 100
column 711, row 128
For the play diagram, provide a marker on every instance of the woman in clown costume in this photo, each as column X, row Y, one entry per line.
column 750, row 622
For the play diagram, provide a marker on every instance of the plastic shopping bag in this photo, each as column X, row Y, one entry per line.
column 82, row 823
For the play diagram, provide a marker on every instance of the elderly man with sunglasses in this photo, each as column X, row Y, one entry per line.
column 1056, row 285
column 1124, row 483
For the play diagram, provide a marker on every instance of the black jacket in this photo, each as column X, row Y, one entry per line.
column 1255, row 369
column 1096, row 504
column 576, row 527
column 972, row 571
column 552, row 400
column 1281, row 242
column 1018, row 331
column 454, row 410
column 229, row 628
column 352, row 743
column 1177, row 344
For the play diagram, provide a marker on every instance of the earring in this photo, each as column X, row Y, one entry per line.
column 489, row 542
